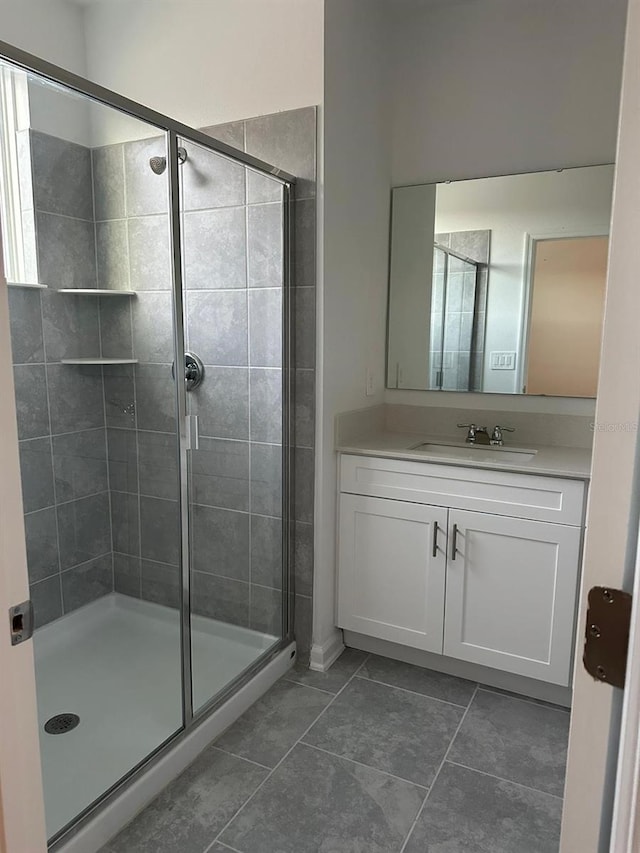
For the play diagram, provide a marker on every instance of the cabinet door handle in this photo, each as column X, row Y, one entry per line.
column 435, row 538
column 454, row 542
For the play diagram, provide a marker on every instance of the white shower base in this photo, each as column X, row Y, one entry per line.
column 116, row 663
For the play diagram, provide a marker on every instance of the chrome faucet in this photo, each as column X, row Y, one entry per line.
column 497, row 439
column 476, row 434
column 479, row 435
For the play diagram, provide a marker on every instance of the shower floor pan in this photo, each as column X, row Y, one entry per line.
column 116, row 664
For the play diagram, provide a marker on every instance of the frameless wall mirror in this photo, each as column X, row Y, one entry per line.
column 498, row 284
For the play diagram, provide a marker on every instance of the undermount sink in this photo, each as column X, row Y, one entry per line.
column 477, row 452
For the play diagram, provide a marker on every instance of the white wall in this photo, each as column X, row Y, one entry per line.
column 576, row 202
column 356, row 234
column 204, row 62
column 489, row 87
column 198, row 61
column 52, row 30
column 413, row 211
column 493, row 87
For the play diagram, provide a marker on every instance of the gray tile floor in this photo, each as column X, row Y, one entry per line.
column 374, row 756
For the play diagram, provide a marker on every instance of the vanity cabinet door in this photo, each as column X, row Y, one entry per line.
column 511, row 594
column 390, row 584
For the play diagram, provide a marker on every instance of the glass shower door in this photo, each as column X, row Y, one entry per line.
column 153, row 490
column 233, row 277
column 453, row 321
column 92, row 337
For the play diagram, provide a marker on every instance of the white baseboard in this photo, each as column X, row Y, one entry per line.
column 322, row 656
column 115, row 814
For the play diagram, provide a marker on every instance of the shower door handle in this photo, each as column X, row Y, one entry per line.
column 195, row 442
column 192, row 432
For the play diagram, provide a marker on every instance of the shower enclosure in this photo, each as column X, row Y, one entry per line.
column 149, row 273
column 458, row 311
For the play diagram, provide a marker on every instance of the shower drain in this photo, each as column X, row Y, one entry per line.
column 61, row 723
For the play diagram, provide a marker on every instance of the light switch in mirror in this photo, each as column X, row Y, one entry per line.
column 497, row 284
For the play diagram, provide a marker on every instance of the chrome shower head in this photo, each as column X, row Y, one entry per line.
column 159, row 164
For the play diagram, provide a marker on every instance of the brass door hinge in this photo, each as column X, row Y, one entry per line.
column 607, row 635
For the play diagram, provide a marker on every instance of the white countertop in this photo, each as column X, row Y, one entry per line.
column 571, row 462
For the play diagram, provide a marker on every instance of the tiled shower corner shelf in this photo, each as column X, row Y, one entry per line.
column 32, row 284
column 104, row 361
column 94, row 291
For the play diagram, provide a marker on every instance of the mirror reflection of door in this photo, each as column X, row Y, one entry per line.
column 568, row 279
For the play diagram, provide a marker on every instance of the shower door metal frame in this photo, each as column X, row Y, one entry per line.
column 451, row 253
column 60, row 76
column 288, row 434
column 180, row 389
column 173, row 130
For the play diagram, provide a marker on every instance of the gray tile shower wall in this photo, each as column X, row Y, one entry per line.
column 61, row 414
column 232, row 269
column 132, row 249
column 287, row 140
column 102, row 441
column 132, row 240
column 466, row 298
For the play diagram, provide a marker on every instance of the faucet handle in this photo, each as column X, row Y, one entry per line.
column 473, row 429
column 496, row 435
column 471, row 435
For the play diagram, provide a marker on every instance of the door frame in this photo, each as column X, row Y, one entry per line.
column 614, row 500
column 625, row 830
column 22, row 822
